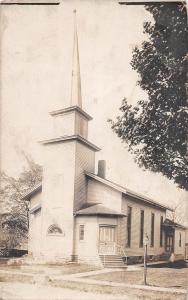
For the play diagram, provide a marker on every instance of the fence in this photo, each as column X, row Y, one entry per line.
column 12, row 252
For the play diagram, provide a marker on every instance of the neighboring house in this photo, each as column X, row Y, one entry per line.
column 78, row 215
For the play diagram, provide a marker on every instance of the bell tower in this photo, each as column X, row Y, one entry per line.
column 66, row 158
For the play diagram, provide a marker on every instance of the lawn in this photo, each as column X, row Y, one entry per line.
column 163, row 277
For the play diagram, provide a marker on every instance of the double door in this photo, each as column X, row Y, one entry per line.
column 169, row 243
column 107, row 237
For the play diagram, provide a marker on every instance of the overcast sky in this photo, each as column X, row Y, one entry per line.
column 36, row 53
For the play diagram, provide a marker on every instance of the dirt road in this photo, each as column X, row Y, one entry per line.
column 25, row 291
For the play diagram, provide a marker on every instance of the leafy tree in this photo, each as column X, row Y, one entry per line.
column 16, row 222
column 156, row 129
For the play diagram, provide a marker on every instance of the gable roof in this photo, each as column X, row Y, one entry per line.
column 111, row 184
column 127, row 191
column 98, row 209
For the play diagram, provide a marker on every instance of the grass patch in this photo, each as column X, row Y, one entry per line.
column 163, row 277
column 63, row 269
column 119, row 291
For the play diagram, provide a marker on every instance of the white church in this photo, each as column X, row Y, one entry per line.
column 79, row 215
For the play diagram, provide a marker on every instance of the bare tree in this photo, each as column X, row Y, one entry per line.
column 177, row 215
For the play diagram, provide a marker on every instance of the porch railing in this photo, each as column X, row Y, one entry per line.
column 107, row 247
column 121, row 251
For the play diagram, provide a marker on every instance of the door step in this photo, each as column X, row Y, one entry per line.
column 112, row 261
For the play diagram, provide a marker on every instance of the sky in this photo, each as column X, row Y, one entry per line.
column 36, row 53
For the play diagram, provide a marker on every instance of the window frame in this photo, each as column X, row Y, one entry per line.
column 152, row 234
column 55, row 230
column 141, row 242
column 129, row 226
column 180, row 240
column 161, row 231
column 81, row 232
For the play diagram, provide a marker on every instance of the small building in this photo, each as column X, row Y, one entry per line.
column 78, row 215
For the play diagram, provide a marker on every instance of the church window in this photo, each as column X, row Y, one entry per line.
column 152, row 229
column 161, row 232
column 54, row 229
column 141, row 228
column 180, row 239
column 81, row 232
column 129, row 216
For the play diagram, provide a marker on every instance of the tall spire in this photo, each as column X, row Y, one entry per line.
column 76, row 96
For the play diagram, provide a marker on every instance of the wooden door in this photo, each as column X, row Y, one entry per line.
column 169, row 243
column 107, row 243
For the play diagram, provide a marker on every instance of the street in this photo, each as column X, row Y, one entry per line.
column 26, row 291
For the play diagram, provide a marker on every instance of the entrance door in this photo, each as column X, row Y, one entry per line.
column 169, row 243
column 107, row 243
column 186, row 251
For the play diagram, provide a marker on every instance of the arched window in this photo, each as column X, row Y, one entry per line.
column 54, row 229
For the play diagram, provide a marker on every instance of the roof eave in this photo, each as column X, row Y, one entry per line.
column 70, row 109
column 100, row 214
column 71, row 138
column 153, row 203
column 28, row 195
column 35, row 209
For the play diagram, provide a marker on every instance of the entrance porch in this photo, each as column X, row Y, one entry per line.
column 174, row 240
column 111, row 254
column 99, row 238
column 169, row 233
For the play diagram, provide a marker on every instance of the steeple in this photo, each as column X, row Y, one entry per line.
column 76, row 95
column 72, row 122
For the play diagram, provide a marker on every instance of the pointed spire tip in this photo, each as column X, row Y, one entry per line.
column 76, row 97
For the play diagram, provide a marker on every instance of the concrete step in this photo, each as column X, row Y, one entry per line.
column 112, row 261
column 111, row 257
column 115, row 266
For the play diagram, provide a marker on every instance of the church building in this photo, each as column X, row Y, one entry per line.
column 77, row 214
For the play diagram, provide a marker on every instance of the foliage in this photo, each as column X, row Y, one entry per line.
column 156, row 129
column 16, row 222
